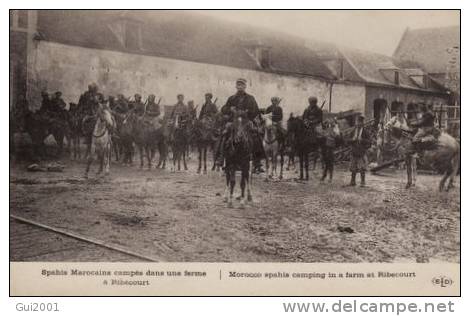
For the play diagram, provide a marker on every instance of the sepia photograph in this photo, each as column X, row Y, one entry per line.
column 235, row 136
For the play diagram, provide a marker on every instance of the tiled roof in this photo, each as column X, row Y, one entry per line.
column 182, row 35
column 428, row 48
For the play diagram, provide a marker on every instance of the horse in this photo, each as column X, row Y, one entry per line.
column 273, row 146
column 149, row 135
column 444, row 156
column 237, row 152
column 123, row 141
column 303, row 143
column 40, row 125
column 75, row 119
column 179, row 143
column 203, row 137
column 101, row 141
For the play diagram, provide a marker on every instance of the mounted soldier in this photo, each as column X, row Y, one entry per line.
column 209, row 109
column 276, row 112
column 425, row 128
column 313, row 115
column 57, row 106
column 180, row 110
column 137, row 106
column 88, row 103
column 245, row 103
column 152, row 112
column 45, row 102
column 191, row 111
column 122, row 106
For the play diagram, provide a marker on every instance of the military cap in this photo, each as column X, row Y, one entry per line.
column 241, row 80
column 180, row 95
column 208, row 94
column 275, row 99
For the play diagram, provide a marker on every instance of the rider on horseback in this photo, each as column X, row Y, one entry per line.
column 137, row 106
column 57, row 106
column 209, row 109
column 241, row 102
column 276, row 112
column 425, row 127
column 88, row 102
column 122, row 106
column 313, row 115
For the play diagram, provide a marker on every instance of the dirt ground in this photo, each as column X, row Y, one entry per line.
column 182, row 217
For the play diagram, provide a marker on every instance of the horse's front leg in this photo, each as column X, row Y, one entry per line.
column 306, row 162
column 184, row 158
column 408, row 172
column 232, row 186
column 205, row 159
column 243, row 182
column 301, row 165
column 227, row 184
column 199, row 150
column 282, row 165
column 268, row 175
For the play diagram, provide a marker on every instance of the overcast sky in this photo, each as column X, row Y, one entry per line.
column 377, row 31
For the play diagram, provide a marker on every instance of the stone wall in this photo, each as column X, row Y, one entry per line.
column 70, row 69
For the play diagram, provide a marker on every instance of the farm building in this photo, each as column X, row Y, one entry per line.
column 169, row 52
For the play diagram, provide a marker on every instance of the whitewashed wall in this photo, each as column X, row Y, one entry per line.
column 70, row 69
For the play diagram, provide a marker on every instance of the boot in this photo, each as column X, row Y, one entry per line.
column 353, row 179
column 363, row 179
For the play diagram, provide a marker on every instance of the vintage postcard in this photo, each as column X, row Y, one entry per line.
column 224, row 152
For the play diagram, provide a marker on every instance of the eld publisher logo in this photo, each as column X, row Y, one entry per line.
column 442, row 281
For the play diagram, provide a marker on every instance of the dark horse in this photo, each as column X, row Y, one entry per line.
column 40, row 126
column 204, row 137
column 443, row 156
column 303, row 142
column 179, row 142
column 237, row 152
column 149, row 136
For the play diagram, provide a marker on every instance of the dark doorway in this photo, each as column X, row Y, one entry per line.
column 380, row 107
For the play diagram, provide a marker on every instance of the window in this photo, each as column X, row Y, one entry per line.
column 397, row 77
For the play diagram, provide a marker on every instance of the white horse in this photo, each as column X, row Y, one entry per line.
column 273, row 147
column 101, row 140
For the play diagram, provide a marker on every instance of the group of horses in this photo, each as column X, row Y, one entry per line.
column 113, row 133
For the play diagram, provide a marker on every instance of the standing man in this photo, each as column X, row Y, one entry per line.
column 313, row 115
column 360, row 142
column 209, row 109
